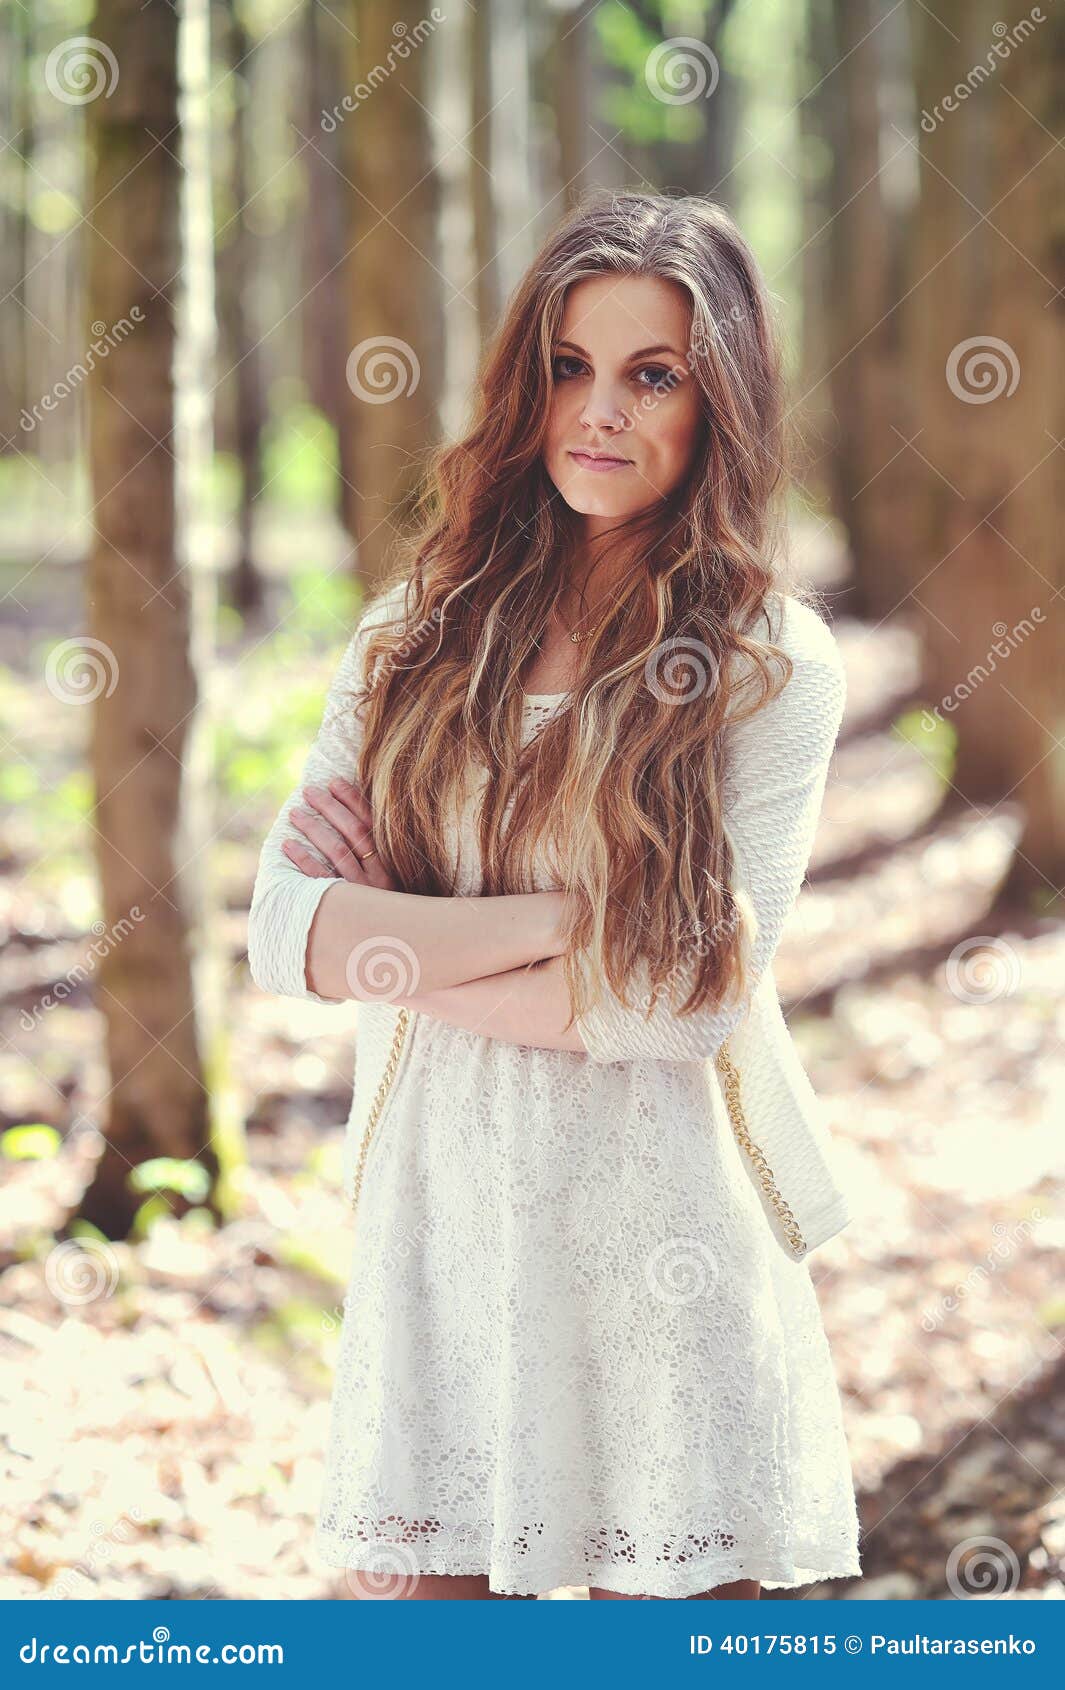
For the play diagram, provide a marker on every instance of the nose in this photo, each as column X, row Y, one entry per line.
column 603, row 410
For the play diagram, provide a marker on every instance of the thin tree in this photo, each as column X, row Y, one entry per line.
column 324, row 41
column 487, row 281
column 139, row 612
column 395, row 363
column 863, row 252
column 236, row 261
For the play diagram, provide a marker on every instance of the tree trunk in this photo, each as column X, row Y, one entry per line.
column 139, row 615
column 235, row 266
column 395, row 364
column 17, row 115
column 486, row 283
column 986, row 332
column 572, row 97
column 704, row 166
column 325, row 309
column 813, row 420
column 870, row 465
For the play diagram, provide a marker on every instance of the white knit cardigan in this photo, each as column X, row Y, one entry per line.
column 776, row 764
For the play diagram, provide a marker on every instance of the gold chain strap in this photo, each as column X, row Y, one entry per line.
column 731, row 1075
column 378, row 1104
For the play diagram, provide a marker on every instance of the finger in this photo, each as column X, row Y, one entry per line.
column 351, row 794
column 351, row 827
column 335, row 851
column 378, row 875
column 305, row 861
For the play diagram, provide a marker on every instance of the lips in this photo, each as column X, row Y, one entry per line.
column 598, row 460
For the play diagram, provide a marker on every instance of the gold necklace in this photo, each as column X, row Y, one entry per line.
column 577, row 636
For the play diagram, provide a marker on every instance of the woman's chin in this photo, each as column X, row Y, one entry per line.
column 593, row 501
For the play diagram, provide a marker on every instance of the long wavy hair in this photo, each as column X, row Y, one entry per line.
column 623, row 785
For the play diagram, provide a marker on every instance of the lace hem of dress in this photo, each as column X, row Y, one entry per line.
column 400, row 1552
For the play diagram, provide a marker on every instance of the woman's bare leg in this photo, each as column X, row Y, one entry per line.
column 740, row 1590
column 423, row 1587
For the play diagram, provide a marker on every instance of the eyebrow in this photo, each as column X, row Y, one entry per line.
column 644, row 352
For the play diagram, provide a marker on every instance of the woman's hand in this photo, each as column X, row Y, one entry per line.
column 339, row 824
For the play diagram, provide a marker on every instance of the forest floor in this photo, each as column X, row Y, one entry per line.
column 164, row 1404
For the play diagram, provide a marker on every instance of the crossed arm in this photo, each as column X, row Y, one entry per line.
column 322, row 929
column 494, row 965
column 491, row 965
column 526, row 1006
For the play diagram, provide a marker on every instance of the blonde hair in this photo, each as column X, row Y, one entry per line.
column 624, row 785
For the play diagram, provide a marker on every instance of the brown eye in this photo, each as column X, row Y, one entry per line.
column 659, row 375
column 565, row 358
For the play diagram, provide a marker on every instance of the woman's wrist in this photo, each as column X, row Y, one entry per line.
column 553, row 914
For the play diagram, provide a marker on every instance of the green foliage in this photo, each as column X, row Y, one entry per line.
column 32, row 1142
column 1052, row 1312
column 224, row 484
column 189, row 1179
column 263, row 753
column 325, row 1163
column 626, row 42
column 326, row 1256
column 19, row 782
column 300, row 458
column 80, row 1228
column 324, row 606
column 156, row 1208
column 226, row 1121
column 935, row 739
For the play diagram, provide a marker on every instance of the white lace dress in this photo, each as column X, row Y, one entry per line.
column 572, row 1352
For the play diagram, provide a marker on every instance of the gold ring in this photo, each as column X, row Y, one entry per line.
column 368, row 855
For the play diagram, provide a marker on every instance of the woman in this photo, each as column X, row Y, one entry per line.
column 561, row 803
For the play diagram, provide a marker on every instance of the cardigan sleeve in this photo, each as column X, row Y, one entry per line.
column 776, row 765
column 284, row 900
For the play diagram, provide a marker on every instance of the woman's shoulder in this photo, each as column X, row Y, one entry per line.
column 813, row 697
column 799, row 629
column 385, row 604
column 380, row 609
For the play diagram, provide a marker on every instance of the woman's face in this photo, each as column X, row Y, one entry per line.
column 624, row 395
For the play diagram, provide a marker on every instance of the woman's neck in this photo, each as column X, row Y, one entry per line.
column 594, row 573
